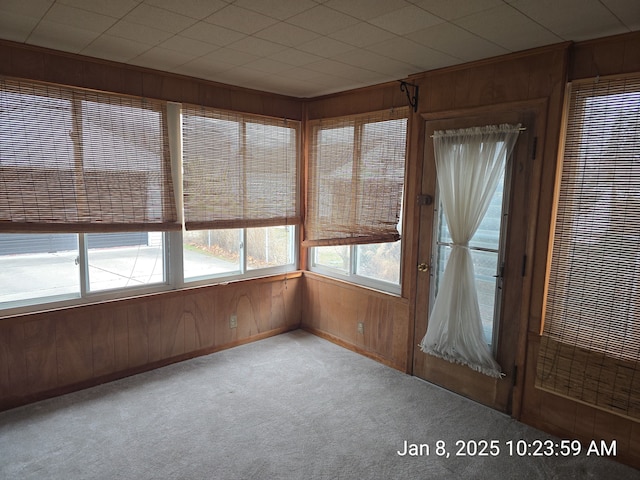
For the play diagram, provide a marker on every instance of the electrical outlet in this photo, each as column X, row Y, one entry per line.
column 233, row 321
column 360, row 327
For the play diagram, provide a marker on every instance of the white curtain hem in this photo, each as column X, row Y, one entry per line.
column 491, row 372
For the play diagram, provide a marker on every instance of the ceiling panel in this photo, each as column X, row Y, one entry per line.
column 307, row 47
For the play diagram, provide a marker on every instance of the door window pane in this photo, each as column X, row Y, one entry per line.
column 485, row 253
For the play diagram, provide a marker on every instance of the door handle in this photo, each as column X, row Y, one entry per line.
column 423, row 267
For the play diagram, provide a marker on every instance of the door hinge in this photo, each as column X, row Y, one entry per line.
column 524, row 265
column 535, row 148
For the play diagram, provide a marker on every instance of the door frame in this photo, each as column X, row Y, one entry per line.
column 524, row 193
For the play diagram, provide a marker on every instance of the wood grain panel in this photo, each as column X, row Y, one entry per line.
column 13, row 368
column 74, row 352
column 606, row 56
column 333, row 309
column 364, row 100
column 166, row 327
column 48, row 65
column 137, row 335
column 40, row 353
column 103, row 343
column 199, row 315
column 119, row 315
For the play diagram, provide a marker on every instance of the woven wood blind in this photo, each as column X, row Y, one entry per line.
column 355, row 178
column 73, row 160
column 591, row 339
column 240, row 170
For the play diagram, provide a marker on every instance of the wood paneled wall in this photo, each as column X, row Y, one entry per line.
column 36, row 63
column 332, row 309
column 550, row 412
column 55, row 352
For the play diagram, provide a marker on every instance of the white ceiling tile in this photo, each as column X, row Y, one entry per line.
column 366, row 9
column 61, row 37
column 159, row 18
column 139, row 33
column 112, row 8
column 343, row 70
column 404, row 50
column 280, row 9
column 457, row 42
column 241, row 76
column 406, row 20
column 202, row 68
column 508, row 28
column 454, row 9
column 628, row 11
column 230, row 56
column 268, row 65
column 16, row 27
column 182, row 44
column 209, row 33
column 377, row 63
column 286, row 34
column 294, row 57
column 241, row 19
column 78, row 18
column 198, row 9
column 161, row 58
column 362, row 35
column 33, row 8
column 301, row 74
column 572, row 19
column 325, row 47
column 257, row 46
column 322, row 20
column 115, row 48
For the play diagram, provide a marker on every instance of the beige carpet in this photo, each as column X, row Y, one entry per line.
column 288, row 407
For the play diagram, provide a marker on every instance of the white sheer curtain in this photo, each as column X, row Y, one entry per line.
column 469, row 163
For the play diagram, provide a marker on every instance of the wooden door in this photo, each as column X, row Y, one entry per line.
column 510, row 322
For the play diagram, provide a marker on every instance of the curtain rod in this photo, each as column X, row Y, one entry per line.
column 521, row 129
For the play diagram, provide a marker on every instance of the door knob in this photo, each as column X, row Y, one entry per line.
column 423, row 267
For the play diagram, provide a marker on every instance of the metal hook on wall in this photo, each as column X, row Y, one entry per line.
column 411, row 96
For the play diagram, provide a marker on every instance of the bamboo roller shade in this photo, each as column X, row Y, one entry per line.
column 240, row 170
column 74, row 160
column 356, row 178
column 591, row 338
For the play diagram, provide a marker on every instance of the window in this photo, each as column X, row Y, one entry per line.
column 376, row 265
column 38, row 268
column 590, row 347
column 74, row 160
column 485, row 249
column 88, row 208
column 238, row 252
column 354, row 196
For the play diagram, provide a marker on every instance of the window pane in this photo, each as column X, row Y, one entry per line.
column 119, row 260
column 379, row 261
column 208, row 253
column 335, row 257
column 36, row 266
column 485, row 265
column 269, row 247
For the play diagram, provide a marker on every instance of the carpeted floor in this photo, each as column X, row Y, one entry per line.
column 288, row 407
